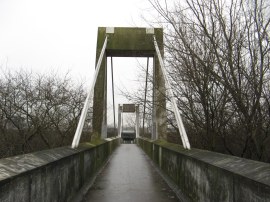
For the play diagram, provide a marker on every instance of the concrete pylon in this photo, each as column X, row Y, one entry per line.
column 129, row 42
column 120, row 110
column 137, row 121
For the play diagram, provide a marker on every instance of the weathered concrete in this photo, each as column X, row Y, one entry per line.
column 52, row 175
column 208, row 176
column 129, row 177
column 130, row 42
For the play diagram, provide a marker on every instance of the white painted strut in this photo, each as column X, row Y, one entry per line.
column 179, row 121
column 78, row 133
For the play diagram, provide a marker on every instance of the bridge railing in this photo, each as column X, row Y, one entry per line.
column 52, row 175
column 200, row 175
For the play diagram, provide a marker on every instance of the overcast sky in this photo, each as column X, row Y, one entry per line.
column 60, row 35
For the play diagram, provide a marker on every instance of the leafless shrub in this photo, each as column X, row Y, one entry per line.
column 37, row 111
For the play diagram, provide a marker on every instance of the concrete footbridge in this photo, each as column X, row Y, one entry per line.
column 139, row 169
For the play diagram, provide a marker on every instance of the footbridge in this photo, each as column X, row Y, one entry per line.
column 151, row 169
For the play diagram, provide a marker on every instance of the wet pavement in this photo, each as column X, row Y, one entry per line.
column 129, row 177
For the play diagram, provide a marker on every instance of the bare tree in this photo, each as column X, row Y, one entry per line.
column 37, row 111
column 217, row 53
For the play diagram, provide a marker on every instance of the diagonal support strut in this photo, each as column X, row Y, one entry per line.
column 179, row 121
column 78, row 132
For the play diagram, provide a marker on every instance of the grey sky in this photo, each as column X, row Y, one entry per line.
column 60, row 35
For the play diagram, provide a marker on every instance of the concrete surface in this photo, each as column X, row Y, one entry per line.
column 54, row 175
column 129, row 177
column 202, row 175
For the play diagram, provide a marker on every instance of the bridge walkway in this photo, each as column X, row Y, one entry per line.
column 129, row 177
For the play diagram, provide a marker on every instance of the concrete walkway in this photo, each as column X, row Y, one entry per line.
column 129, row 177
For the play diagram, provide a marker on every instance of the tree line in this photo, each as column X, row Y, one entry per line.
column 218, row 59
column 37, row 111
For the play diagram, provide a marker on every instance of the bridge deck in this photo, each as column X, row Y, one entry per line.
column 128, row 177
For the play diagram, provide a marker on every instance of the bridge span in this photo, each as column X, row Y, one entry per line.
column 66, row 174
column 130, row 176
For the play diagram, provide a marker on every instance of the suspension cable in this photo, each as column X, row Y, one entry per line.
column 114, row 130
column 145, row 93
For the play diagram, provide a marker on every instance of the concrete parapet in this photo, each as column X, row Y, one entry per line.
column 201, row 175
column 52, row 175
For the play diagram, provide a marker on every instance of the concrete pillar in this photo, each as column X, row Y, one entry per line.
column 100, row 92
column 104, row 116
column 160, row 119
column 137, row 121
column 119, row 120
column 154, row 133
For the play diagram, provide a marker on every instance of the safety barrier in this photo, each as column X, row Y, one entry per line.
column 200, row 175
column 52, row 175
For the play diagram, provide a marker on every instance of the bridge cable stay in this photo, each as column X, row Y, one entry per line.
column 145, row 93
column 114, row 130
column 179, row 121
column 86, row 106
